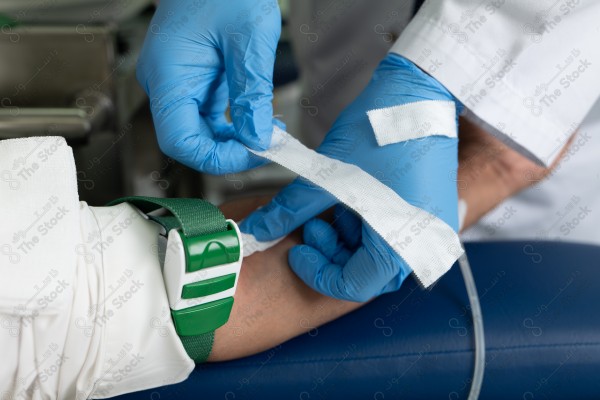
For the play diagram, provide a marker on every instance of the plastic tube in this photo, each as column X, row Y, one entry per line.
column 477, row 380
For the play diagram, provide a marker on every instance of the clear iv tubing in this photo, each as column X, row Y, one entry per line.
column 477, row 380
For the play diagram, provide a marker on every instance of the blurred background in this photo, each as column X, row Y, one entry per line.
column 67, row 68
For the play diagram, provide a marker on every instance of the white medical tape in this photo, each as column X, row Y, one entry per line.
column 429, row 251
column 413, row 121
column 251, row 245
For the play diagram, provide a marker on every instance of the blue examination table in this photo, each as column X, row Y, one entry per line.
column 541, row 313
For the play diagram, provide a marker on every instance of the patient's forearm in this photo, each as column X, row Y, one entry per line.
column 271, row 304
column 489, row 171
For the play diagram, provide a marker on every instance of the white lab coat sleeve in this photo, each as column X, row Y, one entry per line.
column 527, row 70
column 140, row 348
column 83, row 308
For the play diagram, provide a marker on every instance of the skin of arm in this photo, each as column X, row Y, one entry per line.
column 272, row 305
column 489, row 171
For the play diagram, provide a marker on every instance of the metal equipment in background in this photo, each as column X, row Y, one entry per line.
column 74, row 76
column 67, row 68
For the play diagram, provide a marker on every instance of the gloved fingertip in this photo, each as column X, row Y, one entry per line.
column 321, row 236
column 268, row 223
column 317, row 231
column 260, row 141
column 229, row 157
column 254, row 224
column 226, row 158
column 296, row 253
column 245, row 226
column 304, row 258
column 252, row 116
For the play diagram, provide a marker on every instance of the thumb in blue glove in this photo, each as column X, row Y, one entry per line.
column 197, row 58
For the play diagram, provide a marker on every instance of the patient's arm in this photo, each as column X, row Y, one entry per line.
column 489, row 171
column 271, row 304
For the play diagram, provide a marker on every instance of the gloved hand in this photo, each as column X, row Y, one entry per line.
column 199, row 55
column 349, row 260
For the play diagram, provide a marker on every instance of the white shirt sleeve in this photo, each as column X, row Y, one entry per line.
column 83, row 308
column 527, row 70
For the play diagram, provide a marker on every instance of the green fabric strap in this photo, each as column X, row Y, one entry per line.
column 195, row 217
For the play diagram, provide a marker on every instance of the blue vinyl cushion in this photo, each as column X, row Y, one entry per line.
column 540, row 303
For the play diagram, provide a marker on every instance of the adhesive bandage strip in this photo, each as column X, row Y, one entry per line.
column 429, row 253
column 413, row 121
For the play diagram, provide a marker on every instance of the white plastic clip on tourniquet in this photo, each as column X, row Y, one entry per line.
column 429, row 254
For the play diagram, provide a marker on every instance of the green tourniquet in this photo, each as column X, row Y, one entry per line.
column 195, row 218
column 213, row 313
column 211, row 250
column 208, row 286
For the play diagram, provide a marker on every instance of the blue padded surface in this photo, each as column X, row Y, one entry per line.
column 540, row 305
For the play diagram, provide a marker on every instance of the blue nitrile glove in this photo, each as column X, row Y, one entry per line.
column 197, row 57
column 350, row 260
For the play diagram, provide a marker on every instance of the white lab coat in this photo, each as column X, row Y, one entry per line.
column 563, row 207
column 528, row 70
column 83, row 307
